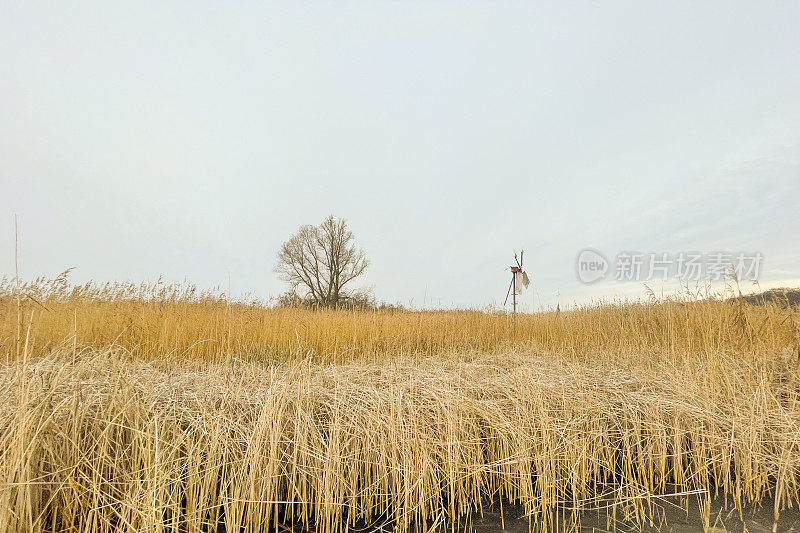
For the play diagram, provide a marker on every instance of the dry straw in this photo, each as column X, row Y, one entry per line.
column 160, row 321
column 332, row 420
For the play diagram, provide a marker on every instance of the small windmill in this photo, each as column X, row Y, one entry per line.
column 519, row 280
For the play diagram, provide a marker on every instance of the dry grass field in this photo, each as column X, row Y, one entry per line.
column 156, row 408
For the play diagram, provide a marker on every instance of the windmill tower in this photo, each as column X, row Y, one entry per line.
column 519, row 281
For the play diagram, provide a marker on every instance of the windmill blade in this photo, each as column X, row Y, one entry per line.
column 525, row 280
column 521, row 253
column 517, row 260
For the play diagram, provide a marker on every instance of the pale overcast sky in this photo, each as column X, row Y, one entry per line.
column 190, row 139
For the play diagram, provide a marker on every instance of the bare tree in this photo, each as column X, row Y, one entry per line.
column 320, row 261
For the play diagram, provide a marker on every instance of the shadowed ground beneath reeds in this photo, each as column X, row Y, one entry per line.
column 103, row 442
column 670, row 514
column 668, row 519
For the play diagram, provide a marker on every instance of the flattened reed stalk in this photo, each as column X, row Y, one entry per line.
column 108, row 442
column 158, row 321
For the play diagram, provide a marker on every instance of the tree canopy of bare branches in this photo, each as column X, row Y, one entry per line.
column 319, row 262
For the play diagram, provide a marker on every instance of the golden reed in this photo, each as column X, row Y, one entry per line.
column 126, row 408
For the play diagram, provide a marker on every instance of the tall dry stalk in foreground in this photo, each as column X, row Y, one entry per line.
column 114, row 444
